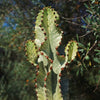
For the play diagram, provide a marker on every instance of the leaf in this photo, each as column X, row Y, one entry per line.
column 87, row 57
column 84, row 26
column 97, row 60
column 81, row 45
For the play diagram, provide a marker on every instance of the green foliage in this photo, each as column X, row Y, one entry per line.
column 89, row 57
column 16, row 79
column 42, row 52
column 17, row 19
column 12, row 83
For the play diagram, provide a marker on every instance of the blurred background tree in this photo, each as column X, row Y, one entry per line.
column 79, row 20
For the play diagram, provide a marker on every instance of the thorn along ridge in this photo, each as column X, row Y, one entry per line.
column 59, row 86
column 40, row 25
column 44, row 33
column 48, row 73
column 42, row 12
column 55, row 21
column 37, row 56
column 51, row 60
column 42, row 29
column 37, row 66
column 42, row 43
column 66, row 64
column 57, row 53
column 59, row 43
column 26, row 55
column 67, row 50
column 56, row 47
column 55, row 16
column 54, row 13
column 37, row 73
column 44, row 85
column 39, row 49
column 62, row 69
column 45, row 79
column 47, row 57
column 42, row 20
column 72, row 60
column 35, row 47
column 37, row 97
column 25, row 50
column 35, row 85
column 51, row 68
column 42, row 16
column 35, row 44
column 60, row 74
column 63, row 33
column 35, row 80
column 59, row 80
column 36, row 92
column 45, row 91
column 42, row 53
column 33, row 41
column 63, row 56
column 45, row 38
column 57, row 25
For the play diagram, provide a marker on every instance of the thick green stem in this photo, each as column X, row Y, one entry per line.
column 44, row 55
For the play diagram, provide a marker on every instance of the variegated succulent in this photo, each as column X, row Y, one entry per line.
column 43, row 53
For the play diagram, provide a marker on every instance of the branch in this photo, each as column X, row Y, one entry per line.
column 90, row 50
column 85, row 34
column 70, row 22
column 74, row 17
column 97, row 85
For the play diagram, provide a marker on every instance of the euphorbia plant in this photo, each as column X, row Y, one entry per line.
column 43, row 53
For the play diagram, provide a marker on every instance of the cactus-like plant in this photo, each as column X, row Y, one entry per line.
column 43, row 53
